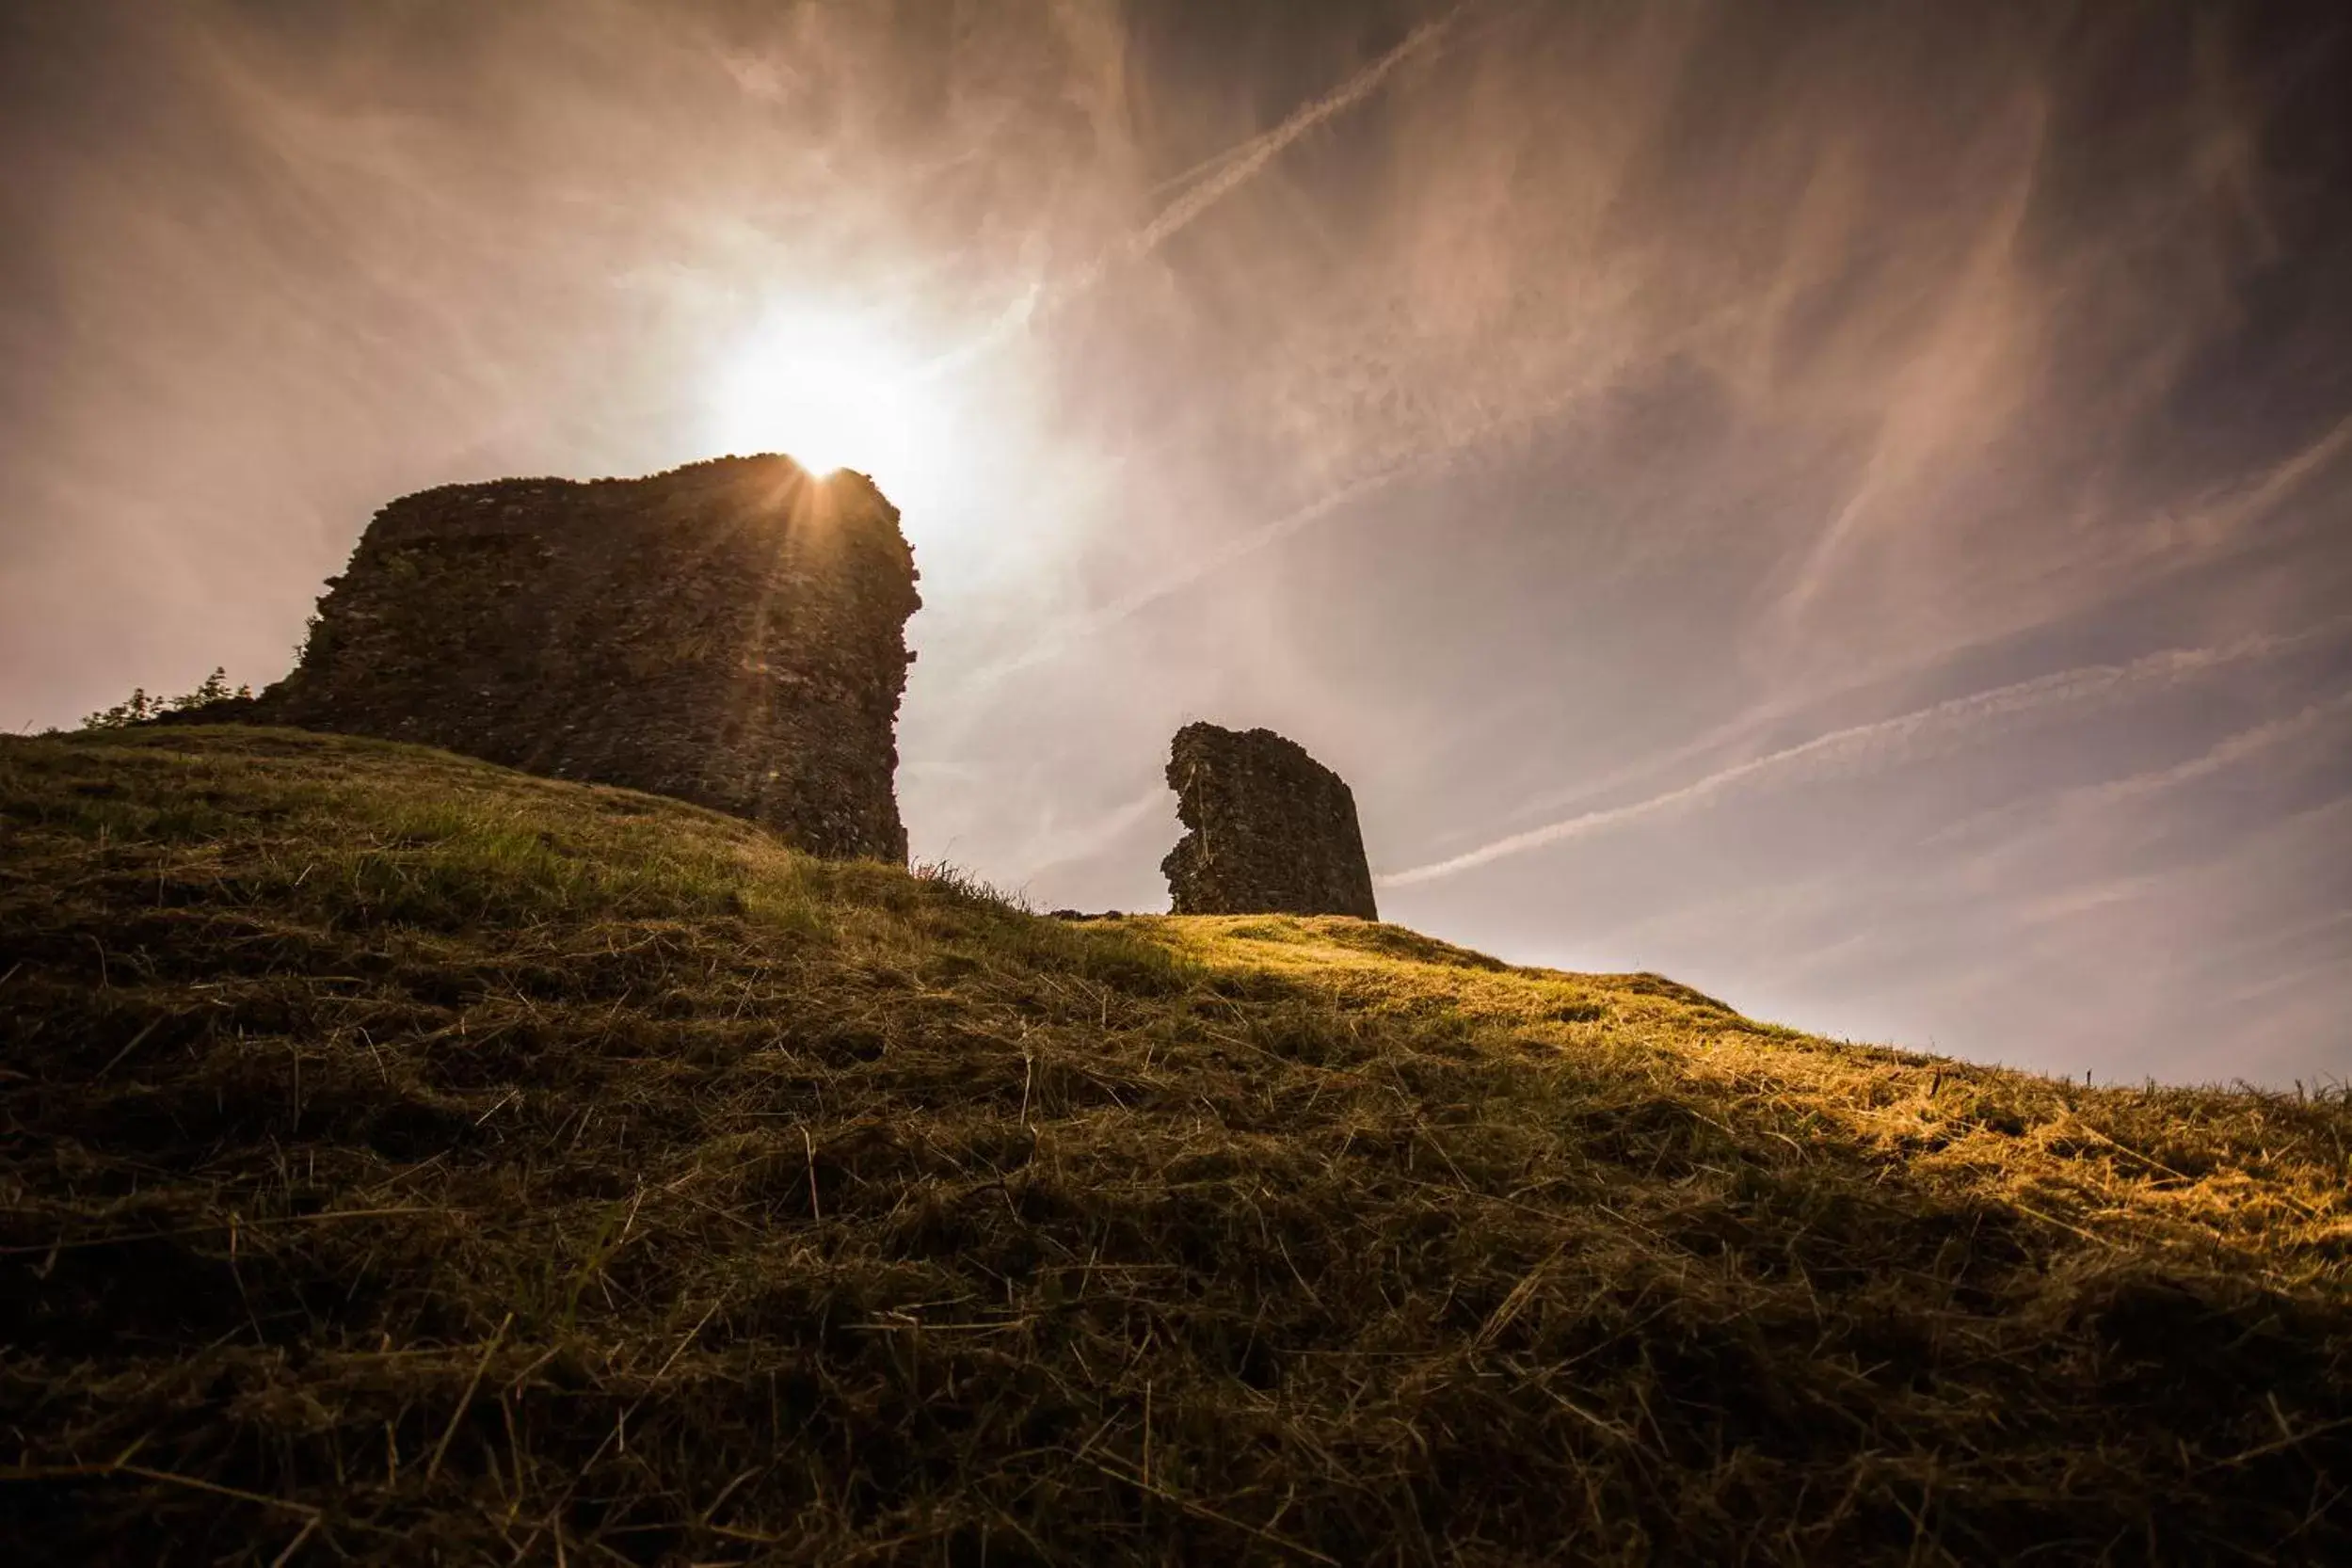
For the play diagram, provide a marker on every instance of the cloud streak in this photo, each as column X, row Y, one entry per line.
column 1886, row 740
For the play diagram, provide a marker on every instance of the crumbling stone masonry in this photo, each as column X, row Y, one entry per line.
column 1272, row 830
column 731, row 633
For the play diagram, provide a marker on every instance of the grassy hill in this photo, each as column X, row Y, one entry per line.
column 404, row 1158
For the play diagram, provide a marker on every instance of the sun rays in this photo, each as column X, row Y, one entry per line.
column 834, row 390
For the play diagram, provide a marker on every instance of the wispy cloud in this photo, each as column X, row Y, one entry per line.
column 1841, row 750
column 2221, row 522
column 1962, row 383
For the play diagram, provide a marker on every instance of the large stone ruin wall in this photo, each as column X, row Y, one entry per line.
column 1272, row 831
column 731, row 633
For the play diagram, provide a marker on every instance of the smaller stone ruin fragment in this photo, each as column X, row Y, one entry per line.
column 1272, row 831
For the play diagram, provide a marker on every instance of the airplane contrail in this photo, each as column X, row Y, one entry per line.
column 1218, row 176
column 1953, row 717
column 1347, row 93
column 1241, row 163
column 2227, row 752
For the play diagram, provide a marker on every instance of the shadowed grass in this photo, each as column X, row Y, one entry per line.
column 407, row 1157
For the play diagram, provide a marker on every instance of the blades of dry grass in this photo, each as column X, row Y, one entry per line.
column 433, row 1466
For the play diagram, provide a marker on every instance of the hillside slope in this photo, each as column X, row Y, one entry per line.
column 408, row 1159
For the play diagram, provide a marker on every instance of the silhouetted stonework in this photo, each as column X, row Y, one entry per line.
column 730, row 633
column 1273, row 831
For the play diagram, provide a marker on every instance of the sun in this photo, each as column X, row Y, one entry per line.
column 833, row 391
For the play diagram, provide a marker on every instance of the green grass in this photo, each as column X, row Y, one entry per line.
column 409, row 1160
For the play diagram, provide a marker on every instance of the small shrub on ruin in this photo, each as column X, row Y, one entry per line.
column 138, row 708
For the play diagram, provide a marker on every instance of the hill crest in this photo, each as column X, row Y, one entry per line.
column 411, row 1157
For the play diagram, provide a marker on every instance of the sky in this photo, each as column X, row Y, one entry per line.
column 1846, row 505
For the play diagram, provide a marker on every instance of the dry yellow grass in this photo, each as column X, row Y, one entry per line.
column 409, row 1158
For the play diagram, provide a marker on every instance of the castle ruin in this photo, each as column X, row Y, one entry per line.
column 730, row 633
column 1272, row 831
